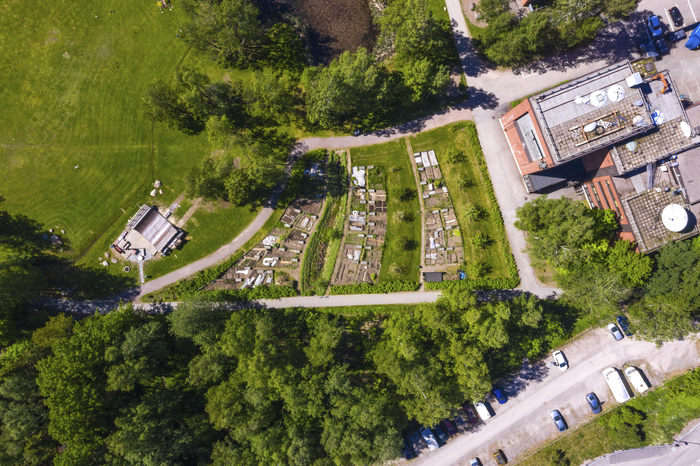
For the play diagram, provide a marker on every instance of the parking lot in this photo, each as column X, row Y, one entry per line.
column 690, row 9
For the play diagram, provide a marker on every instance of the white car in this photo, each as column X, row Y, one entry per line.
column 636, row 379
column 560, row 360
column 474, row 462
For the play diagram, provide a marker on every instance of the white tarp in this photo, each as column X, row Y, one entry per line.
column 358, row 177
column 419, row 161
column 259, row 280
column 269, row 240
column 426, row 160
column 433, row 159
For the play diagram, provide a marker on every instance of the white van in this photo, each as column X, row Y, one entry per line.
column 482, row 410
column 616, row 384
column 636, row 379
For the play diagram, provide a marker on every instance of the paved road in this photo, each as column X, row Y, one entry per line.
column 685, row 452
column 523, row 423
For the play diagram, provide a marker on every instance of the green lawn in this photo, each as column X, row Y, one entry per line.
column 71, row 94
column 440, row 140
column 206, row 232
column 383, row 157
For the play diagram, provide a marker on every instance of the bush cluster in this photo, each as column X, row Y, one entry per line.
column 379, row 288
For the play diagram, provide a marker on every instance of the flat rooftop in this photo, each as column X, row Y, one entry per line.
column 568, row 112
column 663, row 140
column 644, row 213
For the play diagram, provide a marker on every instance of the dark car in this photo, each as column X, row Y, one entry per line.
column 676, row 16
column 594, row 403
column 471, row 416
column 661, row 46
column 500, row 396
column 654, row 25
column 624, row 325
column 439, row 433
column 450, row 428
column 407, row 450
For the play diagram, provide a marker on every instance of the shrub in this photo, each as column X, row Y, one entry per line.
column 397, row 269
column 465, row 181
column 394, row 169
column 472, row 212
column 480, row 241
column 406, row 244
column 478, row 269
column 247, row 294
column 404, row 217
column 453, row 155
column 406, row 194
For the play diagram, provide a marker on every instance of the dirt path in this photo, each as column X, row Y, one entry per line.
column 190, row 212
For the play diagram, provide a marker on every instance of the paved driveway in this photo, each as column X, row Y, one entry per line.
column 523, row 422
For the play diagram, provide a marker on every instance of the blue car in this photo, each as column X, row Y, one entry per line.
column 654, row 25
column 500, row 396
column 693, row 39
column 593, row 403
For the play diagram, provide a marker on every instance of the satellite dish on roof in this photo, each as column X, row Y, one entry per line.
column 674, row 217
column 616, row 93
column 599, row 98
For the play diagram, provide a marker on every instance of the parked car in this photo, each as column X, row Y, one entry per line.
column 459, row 420
column 661, row 46
column 560, row 360
column 440, row 433
column 471, row 417
column 483, row 410
column 558, row 420
column 615, row 331
column 450, row 428
column 500, row 396
column 654, row 25
column 676, row 16
column 499, row 457
column 429, row 439
column 593, row 403
column 474, row 462
column 624, row 325
column 407, row 453
column 636, row 379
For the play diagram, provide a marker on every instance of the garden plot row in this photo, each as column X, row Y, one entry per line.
column 361, row 250
column 281, row 250
column 443, row 239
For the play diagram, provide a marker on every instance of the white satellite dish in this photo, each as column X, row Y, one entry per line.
column 598, row 98
column 616, row 93
column 674, row 217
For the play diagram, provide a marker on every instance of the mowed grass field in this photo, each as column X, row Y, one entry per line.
column 383, row 157
column 440, row 140
column 73, row 76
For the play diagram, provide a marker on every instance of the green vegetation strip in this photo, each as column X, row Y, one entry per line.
column 366, row 288
column 647, row 420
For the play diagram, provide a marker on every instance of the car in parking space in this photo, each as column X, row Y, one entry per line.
column 558, row 420
column 676, row 16
column 429, row 439
column 474, row 462
column 612, row 328
column 471, row 416
column 407, row 453
column 440, row 433
column 635, row 377
column 500, row 396
column 593, row 403
column 450, row 428
column 459, row 421
column 654, row 25
column 624, row 324
column 499, row 457
column 483, row 410
column 560, row 360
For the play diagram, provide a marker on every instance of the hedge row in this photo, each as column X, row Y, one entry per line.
column 496, row 216
column 475, row 284
column 366, row 288
column 248, row 294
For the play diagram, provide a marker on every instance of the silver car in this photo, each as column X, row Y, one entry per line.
column 558, row 420
column 615, row 331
